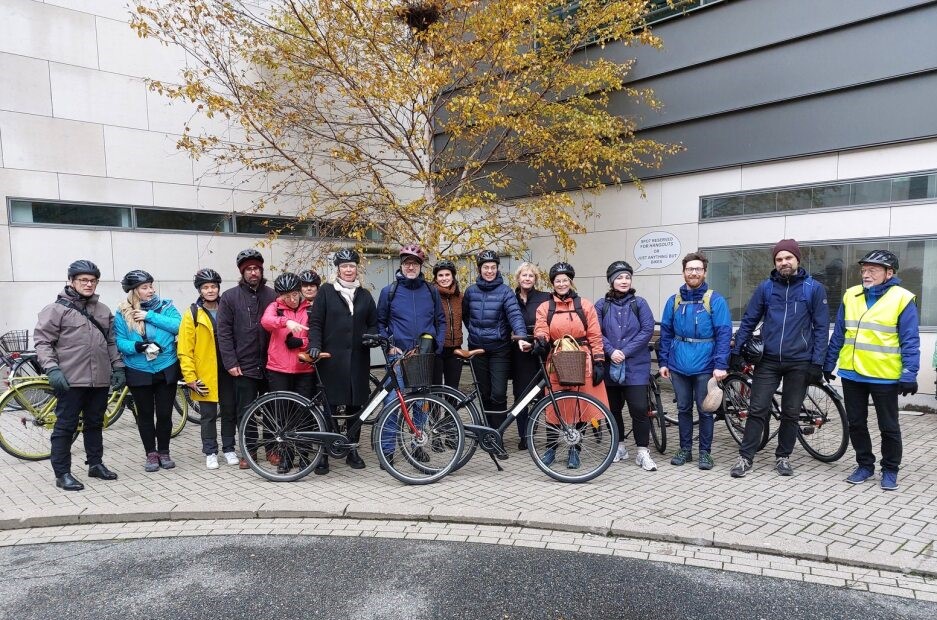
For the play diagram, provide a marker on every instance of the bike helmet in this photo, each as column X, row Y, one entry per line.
column 880, row 257
column 310, row 277
column 753, row 350
column 413, row 250
column 444, row 264
column 135, row 278
column 249, row 254
column 617, row 268
column 286, row 283
column 206, row 276
column 83, row 267
column 561, row 268
column 346, row 255
column 487, row 256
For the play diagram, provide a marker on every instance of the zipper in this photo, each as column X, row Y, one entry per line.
column 787, row 294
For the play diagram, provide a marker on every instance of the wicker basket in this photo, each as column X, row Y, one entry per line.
column 16, row 341
column 570, row 367
column 418, row 369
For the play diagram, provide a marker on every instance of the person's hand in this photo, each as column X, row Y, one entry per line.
column 118, row 378
column 58, row 381
column 617, row 356
column 235, row 372
column 540, row 346
column 314, row 353
column 524, row 346
column 907, row 388
column 814, row 373
column 139, row 315
column 395, row 351
column 140, row 346
column 598, row 372
column 736, row 361
column 198, row 387
column 829, row 376
column 664, row 372
column 719, row 375
column 296, row 328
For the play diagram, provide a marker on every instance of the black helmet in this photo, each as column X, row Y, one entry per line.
column 444, row 264
column 206, row 276
column 880, row 257
column 310, row 277
column 487, row 256
column 753, row 350
column 81, row 267
column 618, row 267
column 346, row 255
column 286, row 283
column 561, row 268
column 249, row 254
column 135, row 278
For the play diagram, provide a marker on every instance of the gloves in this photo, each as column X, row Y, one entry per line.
column 540, row 347
column 140, row 346
column 292, row 342
column 118, row 378
column 314, row 352
column 58, row 381
column 736, row 361
column 814, row 373
column 598, row 372
column 829, row 376
column 907, row 388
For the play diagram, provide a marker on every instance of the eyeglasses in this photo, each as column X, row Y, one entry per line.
column 86, row 281
column 695, row 270
column 871, row 270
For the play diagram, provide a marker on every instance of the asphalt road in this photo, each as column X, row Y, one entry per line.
column 278, row 577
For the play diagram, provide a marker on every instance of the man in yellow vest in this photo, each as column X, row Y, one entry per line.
column 877, row 347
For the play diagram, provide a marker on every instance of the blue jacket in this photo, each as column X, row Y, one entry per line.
column 796, row 318
column 415, row 309
column 628, row 332
column 491, row 314
column 162, row 327
column 908, row 337
column 691, row 320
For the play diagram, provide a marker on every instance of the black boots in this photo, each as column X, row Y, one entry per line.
column 68, row 482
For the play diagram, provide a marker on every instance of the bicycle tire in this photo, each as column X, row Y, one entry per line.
column 595, row 449
column 27, row 366
column 421, row 459
column 655, row 409
column 27, row 417
column 280, row 415
column 469, row 414
column 822, row 427
column 192, row 411
column 116, row 404
column 180, row 411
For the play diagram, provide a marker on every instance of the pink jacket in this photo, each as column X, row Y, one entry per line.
column 279, row 357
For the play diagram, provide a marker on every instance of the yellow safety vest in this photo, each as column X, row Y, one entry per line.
column 872, row 347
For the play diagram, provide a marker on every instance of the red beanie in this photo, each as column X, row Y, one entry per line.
column 787, row 244
column 251, row 262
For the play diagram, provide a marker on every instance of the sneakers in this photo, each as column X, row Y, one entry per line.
column 889, row 480
column 549, row 456
column 211, row 461
column 644, row 460
column 165, row 461
column 573, row 461
column 742, row 467
column 706, row 461
column 152, row 462
column 783, row 466
column 231, row 458
column 622, row 452
column 682, row 457
column 861, row 474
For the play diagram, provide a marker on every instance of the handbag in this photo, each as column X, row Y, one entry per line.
column 569, row 361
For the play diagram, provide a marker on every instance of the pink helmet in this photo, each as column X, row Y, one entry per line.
column 413, row 250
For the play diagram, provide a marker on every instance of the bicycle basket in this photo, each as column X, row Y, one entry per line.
column 418, row 369
column 16, row 341
column 569, row 361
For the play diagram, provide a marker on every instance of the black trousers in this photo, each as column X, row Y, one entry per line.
column 885, row 398
column 246, row 391
column 448, row 369
column 154, row 401
column 636, row 397
column 210, row 412
column 768, row 376
column 89, row 403
column 493, row 369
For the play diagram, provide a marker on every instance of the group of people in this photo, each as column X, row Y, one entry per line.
column 230, row 347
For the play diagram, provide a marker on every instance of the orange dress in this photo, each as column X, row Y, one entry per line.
column 567, row 321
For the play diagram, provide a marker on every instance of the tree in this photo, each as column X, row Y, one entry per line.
column 411, row 117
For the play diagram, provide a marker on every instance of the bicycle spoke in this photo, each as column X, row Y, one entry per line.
column 27, row 417
column 424, row 448
column 574, row 440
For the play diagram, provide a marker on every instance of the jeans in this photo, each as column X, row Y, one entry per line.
column 209, row 413
column 416, row 409
column 636, row 397
column 885, row 398
column 691, row 389
column 768, row 375
column 90, row 403
column 493, row 369
column 156, row 400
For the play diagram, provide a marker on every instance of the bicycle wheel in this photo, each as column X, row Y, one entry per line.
column 27, row 416
column 822, row 428
column 192, row 413
column 116, row 403
column 655, row 411
column 737, row 389
column 575, row 443
column 27, row 366
column 468, row 413
column 429, row 449
column 279, row 417
column 180, row 411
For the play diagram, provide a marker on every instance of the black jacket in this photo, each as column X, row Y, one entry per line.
column 241, row 339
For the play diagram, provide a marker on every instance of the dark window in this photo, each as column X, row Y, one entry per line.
column 165, row 219
column 68, row 214
column 266, row 224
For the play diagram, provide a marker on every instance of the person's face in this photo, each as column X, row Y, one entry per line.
column 291, row 299
column 694, row 274
column 85, row 284
column 348, row 272
column 488, row 271
column 562, row 284
column 444, row 278
column 786, row 263
column 410, row 268
column 253, row 274
column 873, row 275
column 209, row 291
column 146, row 291
column 310, row 291
column 622, row 282
column 526, row 280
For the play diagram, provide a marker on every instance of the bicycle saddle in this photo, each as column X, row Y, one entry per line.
column 308, row 359
column 467, row 355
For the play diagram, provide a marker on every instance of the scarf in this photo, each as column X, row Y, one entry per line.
column 347, row 291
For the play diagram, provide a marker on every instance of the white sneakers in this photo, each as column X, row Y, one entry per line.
column 211, row 461
column 644, row 460
column 622, row 452
column 231, row 458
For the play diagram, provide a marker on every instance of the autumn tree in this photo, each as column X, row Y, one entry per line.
column 411, row 118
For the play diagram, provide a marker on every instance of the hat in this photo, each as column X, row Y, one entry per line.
column 713, row 399
column 789, row 245
column 616, row 269
column 250, row 262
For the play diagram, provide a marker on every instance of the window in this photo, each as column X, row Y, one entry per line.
column 266, row 224
column 68, row 214
column 167, row 219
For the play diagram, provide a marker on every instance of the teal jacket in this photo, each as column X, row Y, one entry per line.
column 162, row 327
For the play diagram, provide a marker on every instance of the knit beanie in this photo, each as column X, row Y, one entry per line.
column 251, row 263
column 789, row 245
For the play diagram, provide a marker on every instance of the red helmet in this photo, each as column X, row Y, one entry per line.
column 413, row 250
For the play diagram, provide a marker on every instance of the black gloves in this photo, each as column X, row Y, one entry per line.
column 814, row 373
column 140, row 346
column 907, row 388
column 292, row 342
column 598, row 371
column 314, row 352
column 540, row 347
column 736, row 361
column 829, row 376
column 58, row 381
column 118, row 378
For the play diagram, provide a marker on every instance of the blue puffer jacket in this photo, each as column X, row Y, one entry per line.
column 796, row 318
column 692, row 321
column 491, row 314
column 414, row 310
column 628, row 332
column 162, row 327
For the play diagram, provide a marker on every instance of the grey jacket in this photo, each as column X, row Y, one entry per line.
column 67, row 340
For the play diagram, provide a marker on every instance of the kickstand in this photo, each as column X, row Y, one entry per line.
column 495, row 461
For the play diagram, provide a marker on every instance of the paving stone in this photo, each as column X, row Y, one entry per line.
column 300, row 509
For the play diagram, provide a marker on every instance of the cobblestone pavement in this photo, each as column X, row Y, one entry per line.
column 814, row 516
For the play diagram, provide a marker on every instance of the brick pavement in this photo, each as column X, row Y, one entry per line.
column 814, row 516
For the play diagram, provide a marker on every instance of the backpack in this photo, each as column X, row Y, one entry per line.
column 577, row 307
column 634, row 308
column 707, row 296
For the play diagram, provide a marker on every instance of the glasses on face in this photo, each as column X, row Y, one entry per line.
column 695, row 269
column 86, row 281
column 411, row 265
column 561, row 281
column 870, row 271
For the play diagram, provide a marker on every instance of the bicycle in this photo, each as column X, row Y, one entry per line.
column 655, row 406
column 561, row 420
column 27, row 416
column 417, row 436
column 16, row 360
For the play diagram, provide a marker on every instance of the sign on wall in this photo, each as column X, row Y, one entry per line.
column 656, row 250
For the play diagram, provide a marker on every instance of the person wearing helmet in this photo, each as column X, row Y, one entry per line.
column 209, row 384
column 491, row 314
column 75, row 346
column 565, row 313
column 877, row 346
column 310, row 285
column 242, row 341
column 449, row 368
column 525, row 367
column 344, row 312
column 795, row 319
column 627, row 324
column 695, row 332
column 145, row 328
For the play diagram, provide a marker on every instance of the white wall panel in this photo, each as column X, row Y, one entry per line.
column 622, row 206
column 114, row 9
column 6, row 259
column 145, row 155
column 53, row 145
column 857, row 224
column 58, row 247
column 741, row 232
column 26, row 184
column 175, row 195
column 106, row 190
column 907, row 157
column 97, row 96
column 122, row 51
column 165, row 255
column 680, row 195
column 792, row 172
column 48, row 32
column 914, row 220
column 24, row 85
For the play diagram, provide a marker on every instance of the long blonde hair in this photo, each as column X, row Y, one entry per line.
column 127, row 308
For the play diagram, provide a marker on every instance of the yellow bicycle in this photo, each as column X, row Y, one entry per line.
column 27, row 416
